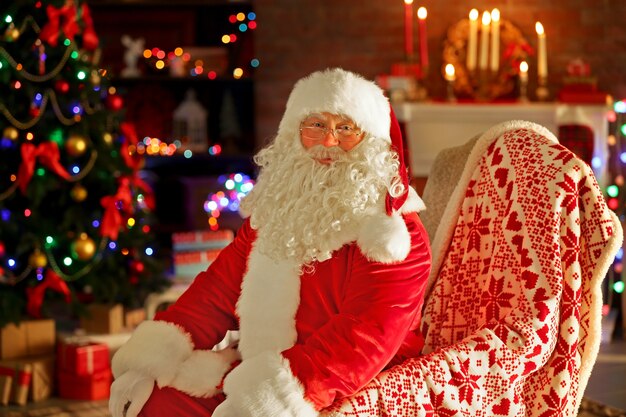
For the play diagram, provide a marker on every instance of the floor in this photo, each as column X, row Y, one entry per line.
column 605, row 394
column 607, row 384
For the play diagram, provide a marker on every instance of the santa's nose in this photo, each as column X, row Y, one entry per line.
column 330, row 140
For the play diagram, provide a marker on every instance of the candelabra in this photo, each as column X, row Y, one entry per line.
column 450, row 77
column 483, row 91
column 523, row 89
column 542, row 89
column 450, row 91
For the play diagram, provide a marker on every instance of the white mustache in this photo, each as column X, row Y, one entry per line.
column 334, row 153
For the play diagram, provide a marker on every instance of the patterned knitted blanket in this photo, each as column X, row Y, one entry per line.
column 512, row 316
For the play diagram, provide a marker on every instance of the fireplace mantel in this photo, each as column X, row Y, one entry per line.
column 431, row 127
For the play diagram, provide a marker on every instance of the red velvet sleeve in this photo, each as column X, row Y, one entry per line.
column 380, row 305
column 206, row 310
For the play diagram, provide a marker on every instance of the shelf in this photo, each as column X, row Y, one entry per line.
column 151, row 99
column 432, row 127
column 182, row 184
column 199, row 165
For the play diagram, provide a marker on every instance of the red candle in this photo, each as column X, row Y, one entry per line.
column 408, row 29
column 421, row 18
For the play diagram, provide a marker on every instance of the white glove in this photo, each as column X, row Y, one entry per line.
column 131, row 387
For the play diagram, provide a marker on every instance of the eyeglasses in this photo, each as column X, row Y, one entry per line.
column 343, row 133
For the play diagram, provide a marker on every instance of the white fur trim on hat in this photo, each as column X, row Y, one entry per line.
column 202, row 372
column 265, row 386
column 337, row 91
column 156, row 349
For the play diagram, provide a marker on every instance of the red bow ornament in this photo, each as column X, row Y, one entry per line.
column 112, row 219
column 35, row 294
column 90, row 39
column 67, row 13
column 47, row 154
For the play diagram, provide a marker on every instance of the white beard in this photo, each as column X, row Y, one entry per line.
column 304, row 210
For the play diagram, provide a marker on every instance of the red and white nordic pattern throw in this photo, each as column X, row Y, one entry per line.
column 512, row 320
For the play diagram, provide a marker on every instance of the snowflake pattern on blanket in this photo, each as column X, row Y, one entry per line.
column 512, row 323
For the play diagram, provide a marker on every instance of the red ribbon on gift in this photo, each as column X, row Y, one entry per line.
column 35, row 294
column 90, row 39
column 47, row 154
column 112, row 219
column 23, row 377
column 67, row 13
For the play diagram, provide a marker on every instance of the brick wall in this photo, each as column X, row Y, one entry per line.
column 296, row 37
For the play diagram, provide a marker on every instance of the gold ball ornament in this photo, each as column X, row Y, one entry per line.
column 107, row 138
column 37, row 259
column 76, row 145
column 84, row 247
column 12, row 34
column 95, row 78
column 10, row 133
column 78, row 193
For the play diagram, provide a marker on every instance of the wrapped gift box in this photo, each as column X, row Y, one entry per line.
column 190, row 264
column 42, row 381
column 30, row 337
column 85, row 387
column 21, row 375
column 13, row 341
column 83, row 358
column 134, row 317
column 103, row 318
column 201, row 240
column 5, row 388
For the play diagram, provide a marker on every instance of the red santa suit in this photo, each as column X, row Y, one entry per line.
column 308, row 336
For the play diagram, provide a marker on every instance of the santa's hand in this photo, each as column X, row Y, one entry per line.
column 131, row 387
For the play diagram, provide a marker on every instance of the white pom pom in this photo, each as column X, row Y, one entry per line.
column 384, row 238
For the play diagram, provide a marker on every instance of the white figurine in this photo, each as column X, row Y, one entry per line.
column 134, row 49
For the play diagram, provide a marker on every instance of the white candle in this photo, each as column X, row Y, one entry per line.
column 542, row 56
column 421, row 16
column 450, row 73
column 484, row 41
column 523, row 71
column 472, row 40
column 495, row 40
column 408, row 29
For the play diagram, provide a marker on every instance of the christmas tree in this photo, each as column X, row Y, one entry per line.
column 616, row 200
column 75, row 215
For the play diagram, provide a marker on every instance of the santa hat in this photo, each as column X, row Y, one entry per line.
column 342, row 92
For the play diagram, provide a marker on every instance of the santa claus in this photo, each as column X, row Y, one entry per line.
column 324, row 281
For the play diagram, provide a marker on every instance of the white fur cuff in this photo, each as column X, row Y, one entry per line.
column 264, row 386
column 155, row 349
column 202, row 372
column 384, row 238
